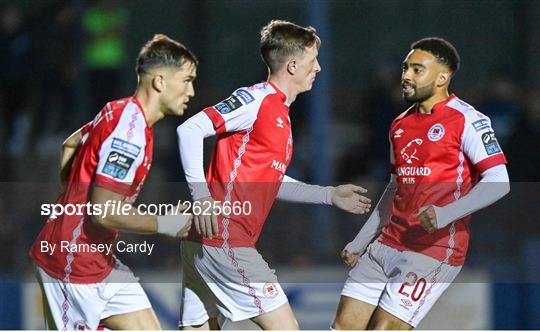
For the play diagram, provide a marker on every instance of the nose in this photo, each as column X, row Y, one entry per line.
column 191, row 90
column 406, row 75
column 317, row 66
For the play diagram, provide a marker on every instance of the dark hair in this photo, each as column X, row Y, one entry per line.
column 162, row 51
column 441, row 49
column 282, row 39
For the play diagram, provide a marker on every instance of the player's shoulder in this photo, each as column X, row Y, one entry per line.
column 472, row 118
column 258, row 93
column 247, row 97
column 122, row 117
column 120, row 104
column 113, row 110
column 259, row 90
column 465, row 109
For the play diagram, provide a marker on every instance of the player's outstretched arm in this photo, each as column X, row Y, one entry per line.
column 494, row 184
column 346, row 197
column 114, row 213
column 373, row 226
column 69, row 147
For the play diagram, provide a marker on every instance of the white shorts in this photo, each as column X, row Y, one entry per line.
column 237, row 284
column 403, row 283
column 70, row 306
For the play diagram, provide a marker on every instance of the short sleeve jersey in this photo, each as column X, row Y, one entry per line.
column 437, row 158
column 251, row 155
column 115, row 153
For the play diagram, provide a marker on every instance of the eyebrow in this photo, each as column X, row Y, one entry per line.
column 413, row 64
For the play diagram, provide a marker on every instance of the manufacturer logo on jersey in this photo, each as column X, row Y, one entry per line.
column 397, row 133
column 117, row 165
column 125, row 146
column 480, row 124
column 490, row 143
column 436, row 132
column 279, row 122
column 245, row 96
column 270, row 290
column 228, row 105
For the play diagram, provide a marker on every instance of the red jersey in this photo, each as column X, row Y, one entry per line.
column 437, row 158
column 252, row 152
column 115, row 153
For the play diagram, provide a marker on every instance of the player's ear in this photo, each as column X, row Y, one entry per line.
column 444, row 77
column 291, row 66
column 158, row 83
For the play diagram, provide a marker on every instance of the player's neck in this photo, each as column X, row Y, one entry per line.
column 284, row 85
column 150, row 106
column 426, row 106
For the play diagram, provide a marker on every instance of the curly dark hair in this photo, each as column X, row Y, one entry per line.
column 441, row 49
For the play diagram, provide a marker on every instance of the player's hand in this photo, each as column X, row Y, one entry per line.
column 347, row 197
column 175, row 222
column 350, row 259
column 184, row 232
column 205, row 219
column 428, row 218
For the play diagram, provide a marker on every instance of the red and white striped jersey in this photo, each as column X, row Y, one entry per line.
column 437, row 158
column 115, row 153
column 253, row 150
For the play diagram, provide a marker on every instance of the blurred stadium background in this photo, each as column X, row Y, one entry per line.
column 62, row 60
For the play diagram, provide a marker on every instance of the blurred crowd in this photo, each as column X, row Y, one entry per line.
column 55, row 58
column 62, row 61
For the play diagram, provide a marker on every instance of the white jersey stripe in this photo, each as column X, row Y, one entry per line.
column 230, row 185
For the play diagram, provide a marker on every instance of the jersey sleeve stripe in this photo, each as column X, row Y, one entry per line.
column 217, row 120
column 490, row 162
column 122, row 188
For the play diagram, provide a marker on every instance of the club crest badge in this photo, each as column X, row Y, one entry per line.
column 436, row 132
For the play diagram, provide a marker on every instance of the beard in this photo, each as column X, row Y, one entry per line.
column 421, row 94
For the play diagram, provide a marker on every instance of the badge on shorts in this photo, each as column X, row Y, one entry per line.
column 80, row 325
column 270, row 290
column 436, row 132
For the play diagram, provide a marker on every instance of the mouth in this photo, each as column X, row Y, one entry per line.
column 407, row 88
